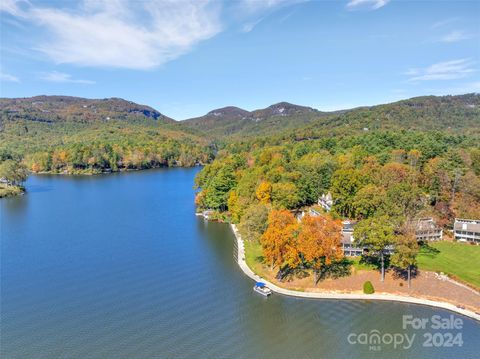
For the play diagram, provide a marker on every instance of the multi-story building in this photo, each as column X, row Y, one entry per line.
column 427, row 230
column 348, row 247
column 467, row 230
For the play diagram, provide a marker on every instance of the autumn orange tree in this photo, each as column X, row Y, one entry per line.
column 278, row 241
column 319, row 242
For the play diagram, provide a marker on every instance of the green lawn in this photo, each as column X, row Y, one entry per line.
column 458, row 260
column 361, row 265
column 253, row 255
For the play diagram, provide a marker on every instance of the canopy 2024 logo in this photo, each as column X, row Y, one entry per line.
column 439, row 332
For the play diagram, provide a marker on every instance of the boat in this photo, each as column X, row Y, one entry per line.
column 262, row 289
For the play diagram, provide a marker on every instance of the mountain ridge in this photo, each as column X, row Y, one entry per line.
column 422, row 112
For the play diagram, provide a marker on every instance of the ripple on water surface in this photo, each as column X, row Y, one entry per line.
column 119, row 267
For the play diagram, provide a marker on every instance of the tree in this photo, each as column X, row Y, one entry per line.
column 279, row 237
column 345, row 185
column 254, row 222
column 264, row 192
column 368, row 201
column 219, row 187
column 319, row 242
column 475, row 157
column 404, row 199
column 377, row 234
column 285, row 195
column 405, row 255
column 13, row 171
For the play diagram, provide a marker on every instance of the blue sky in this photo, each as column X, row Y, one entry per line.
column 188, row 57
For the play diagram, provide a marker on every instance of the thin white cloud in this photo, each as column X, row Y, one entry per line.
column 444, row 22
column 8, row 78
column 124, row 33
column 261, row 5
column 62, row 77
column 249, row 26
column 371, row 4
column 448, row 70
column 455, row 36
column 255, row 11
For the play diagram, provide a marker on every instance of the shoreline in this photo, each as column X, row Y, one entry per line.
column 316, row 295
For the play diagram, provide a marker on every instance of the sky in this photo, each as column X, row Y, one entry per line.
column 188, row 57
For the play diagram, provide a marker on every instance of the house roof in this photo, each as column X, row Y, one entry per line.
column 468, row 225
column 426, row 224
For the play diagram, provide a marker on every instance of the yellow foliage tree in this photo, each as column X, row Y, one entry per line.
column 264, row 192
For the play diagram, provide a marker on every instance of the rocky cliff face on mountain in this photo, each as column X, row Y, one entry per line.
column 66, row 108
column 231, row 120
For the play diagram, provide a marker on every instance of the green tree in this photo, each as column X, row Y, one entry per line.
column 368, row 201
column 345, row 185
column 13, row 171
column 254, row 222
column 405, row 255
column 376, row 233
column 219, row 187
column 285, row 195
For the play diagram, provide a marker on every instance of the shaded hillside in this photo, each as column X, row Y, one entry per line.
column 231, row 121
column 66, row 108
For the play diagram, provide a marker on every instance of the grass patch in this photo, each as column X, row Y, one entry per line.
column 458, row 260
column 254, row 256
column 359, row 264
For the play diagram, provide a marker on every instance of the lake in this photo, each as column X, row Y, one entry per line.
column 118, row 266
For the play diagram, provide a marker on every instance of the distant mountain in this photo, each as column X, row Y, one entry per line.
column 426, row 113
column 283, row 109
column 64, row 134
column 229, row 121
column 77, row 109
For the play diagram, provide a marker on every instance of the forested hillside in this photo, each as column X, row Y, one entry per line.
column 453, row 114
column 76, row 109
column 401, row 175
column 74, row 135
column 234, row 122
column 456, row 114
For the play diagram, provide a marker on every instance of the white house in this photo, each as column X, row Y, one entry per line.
column 467, row 230
column 326, row 201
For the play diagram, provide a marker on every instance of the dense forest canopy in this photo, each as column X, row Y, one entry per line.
column 402, row 175
column 74, row 135
column 453, row 114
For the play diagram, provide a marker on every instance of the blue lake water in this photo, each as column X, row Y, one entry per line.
column 118, row 266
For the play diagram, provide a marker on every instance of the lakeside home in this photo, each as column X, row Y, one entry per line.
column 348, row 248
column 326, row 201
column 467, row 230
column 426, row 229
